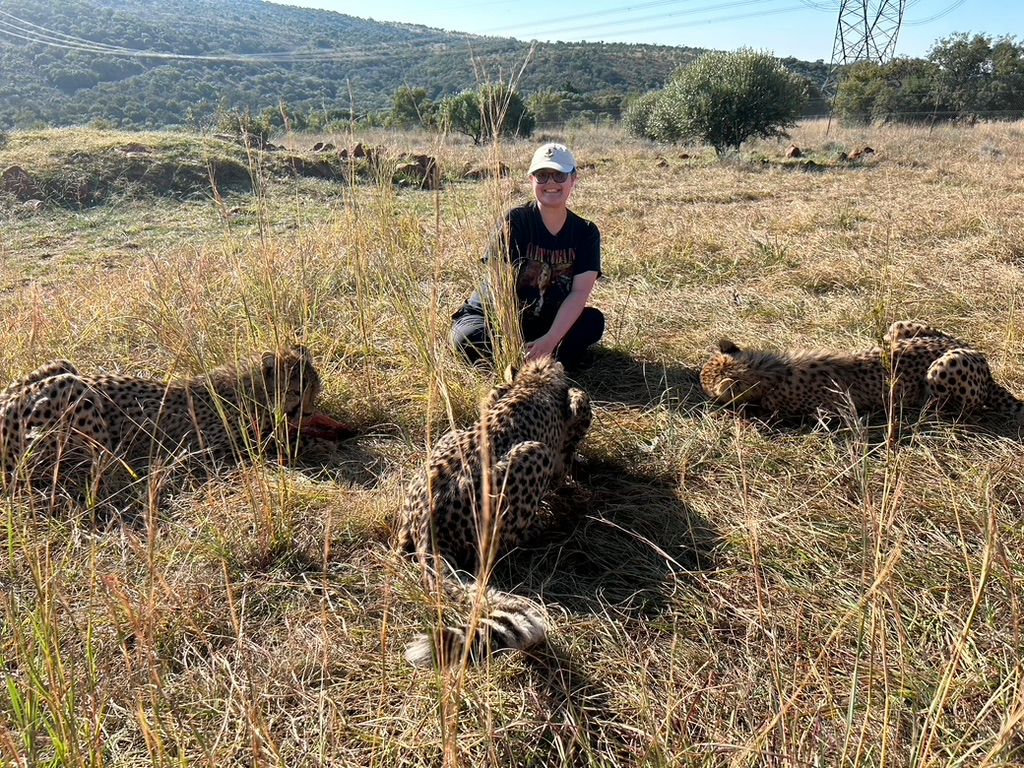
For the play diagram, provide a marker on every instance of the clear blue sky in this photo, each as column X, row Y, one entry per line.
column 802, row 28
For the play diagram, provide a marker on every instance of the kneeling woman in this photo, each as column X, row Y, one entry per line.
column 557, row 259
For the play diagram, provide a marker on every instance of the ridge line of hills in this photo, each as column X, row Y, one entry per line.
column 64, row 62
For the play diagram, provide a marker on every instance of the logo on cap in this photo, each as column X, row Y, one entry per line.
column 550, row 151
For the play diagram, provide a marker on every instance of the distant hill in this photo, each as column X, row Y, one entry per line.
column 64, row 62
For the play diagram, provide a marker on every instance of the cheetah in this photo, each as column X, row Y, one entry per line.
column 57, row 423
column 521, row 447
column 919, row 366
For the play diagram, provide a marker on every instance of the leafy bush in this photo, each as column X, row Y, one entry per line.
column 637, row 119
column 461, row 114
column 251, row 129
column 723, row 99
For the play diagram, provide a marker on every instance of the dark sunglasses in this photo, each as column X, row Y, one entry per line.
column 543, row 177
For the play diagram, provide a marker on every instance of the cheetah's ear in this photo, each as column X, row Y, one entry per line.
column 302, row 352
column 269, row 364
column 510, row 373
column 726, row 347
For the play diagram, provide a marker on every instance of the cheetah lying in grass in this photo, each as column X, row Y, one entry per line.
column 920, row 366
column 56, row 424
column 527, row 435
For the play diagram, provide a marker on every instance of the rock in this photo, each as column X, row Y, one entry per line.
column 861, row 154
column 421, row 170
column 485, row 171
column 15, row 181
column 319, row 168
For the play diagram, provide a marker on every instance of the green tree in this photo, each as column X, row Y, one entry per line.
column 902, row 90
column 908, row 94
column 461, row 114
column 857, row 92
column 723, row 99
column 494, row 110
column 71, row 79
column 411, row 108
column 1008, row 89
column 977, row 76
column 505, row 112
column 964, row 78
column 548, row 106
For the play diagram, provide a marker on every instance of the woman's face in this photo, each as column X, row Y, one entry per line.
column 548, row 190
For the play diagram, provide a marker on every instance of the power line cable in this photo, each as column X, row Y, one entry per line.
column 702, row 22
column 44, row 36
column 830, row 8
column 617, row 11
column 650, row 17
column 479, row 45
column 947, row 10
column 17, row 34
column 59, row 36
column 50, row 37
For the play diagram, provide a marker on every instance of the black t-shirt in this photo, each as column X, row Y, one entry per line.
column 545, row 264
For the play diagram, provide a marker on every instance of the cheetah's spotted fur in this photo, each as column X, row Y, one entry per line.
column 56, row 422
column 921, row 366
column 528, row 432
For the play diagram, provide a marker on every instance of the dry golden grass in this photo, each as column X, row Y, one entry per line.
column 722, row 593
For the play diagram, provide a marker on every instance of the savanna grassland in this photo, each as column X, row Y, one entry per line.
column 722, row 592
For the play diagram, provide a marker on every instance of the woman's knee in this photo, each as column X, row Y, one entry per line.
column 592, row 322
column 471, row 339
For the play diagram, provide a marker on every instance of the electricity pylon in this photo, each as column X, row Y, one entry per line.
column 866, row 31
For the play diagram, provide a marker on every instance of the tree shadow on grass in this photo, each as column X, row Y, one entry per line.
column 618, row 377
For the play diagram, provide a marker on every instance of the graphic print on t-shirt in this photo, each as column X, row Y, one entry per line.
column 545, row 276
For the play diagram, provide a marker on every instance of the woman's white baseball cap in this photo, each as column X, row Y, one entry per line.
column 557, row 157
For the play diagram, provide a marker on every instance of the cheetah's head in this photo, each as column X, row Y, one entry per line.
column 726, row 377
column 533, row 376
column 291, row 383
